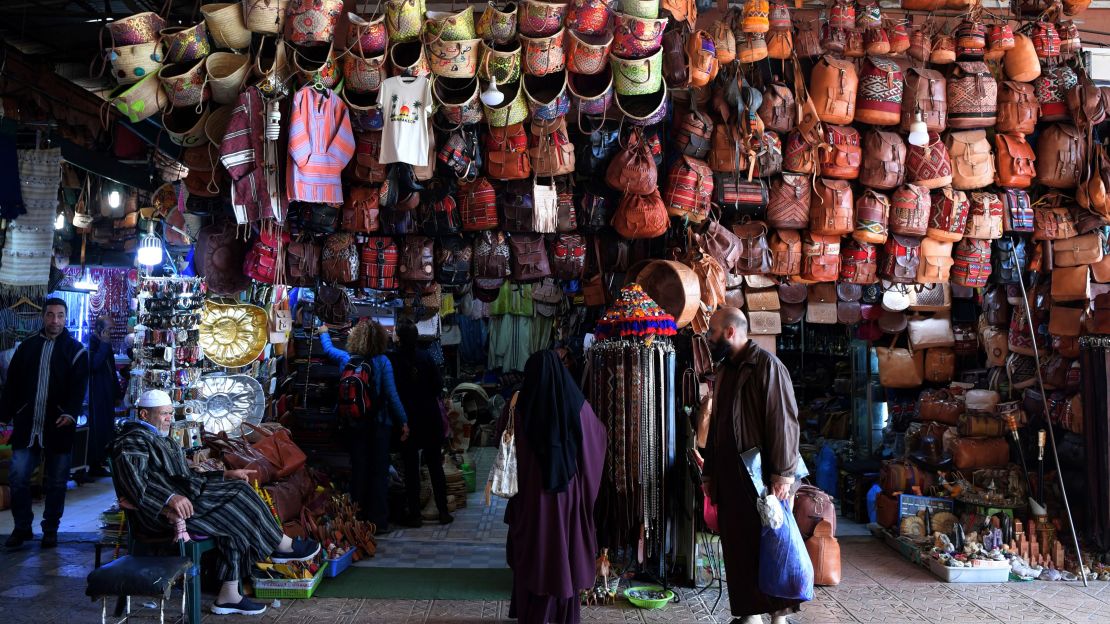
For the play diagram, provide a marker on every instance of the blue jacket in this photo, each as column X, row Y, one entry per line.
column 381, row 375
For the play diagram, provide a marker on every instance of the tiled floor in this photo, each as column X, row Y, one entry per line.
column 878, row 586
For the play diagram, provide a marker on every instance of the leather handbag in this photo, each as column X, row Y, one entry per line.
column 939, row 406
column 901, row 257
column 980, row 425
column 821, row 304
column 929, row 333
column 693, row 132
column 820, row 257
column 948, row 215
column 929, row 165
column 633, row 169
column 1061, row 153
column 972, row 96
column 517, row 206
column 900, row 368
column 977, row 453
column 936, row 261
column 872, row 213
column 1015, row 161
column 302, row 263
column 798, row 155
column 732, row 192
column 1053, row 223
column 832, row 86
column 755, row 254
column 972, row 263
column 996, row 343
column 925, row 93
column 529, row 259
column 1078, row 250
column 1071, row 283
column 884, row 168
column 972, row 159
column 507, row 153
column 1018, row 108
column 762, row 299
column 940, row 365
column 830, row 212
column 238, row 454
column 550, row 149
column 339, row 259
column 332, row 305
column 1065, row 321
column 909, row 210
column 719, row 242
column 996, row 309
column 641, row 216
column 360, row 210
column 811, row 507
column 417, row 262
column 789, row 202
column 1099, row 320
column 859, row 263
column 778, row 110
column 478, row 206
column 984, row 217
column 930, row 298
column 900, row 475
column 843, row 157
column 454, row 255
column 786, row 252
column 276, row 445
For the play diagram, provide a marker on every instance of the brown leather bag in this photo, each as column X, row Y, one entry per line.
column 725, row 153
column 830, row 212
column 1099, row 320
column 693, row 132
column 755, row 255
column 984, row 216
column 507, row 153
column 633, row 170
column 641, row 216
column 798, row 155
column 789, row 202
column 417, row 259
column 859, row 263
column 948, row 215
column 902, row 476
column 901, row 257
column 1053, row 223
column 972, row 96
column 302, row 263
column 360, row 210
column 925, row 92
column 900, row 368
column 676, row 73
column 939, row 406
column 824, row 554
column 940, row 365
column 832, row 86
column 719, row 242
column 530, row 262
column 843, row 157
column 778, row 111
column 936, row 261
column 820, row 257
column 980, row 425
column 1078, row 250
column 786, row 252
column 1062, row 156
column 976, row 453
column 812, row 506
column 872, row 213
column 339, row 259
column 972, row 160
column 550, row 149
column 1015, row 161
column 1018, row 108
column 884, row 167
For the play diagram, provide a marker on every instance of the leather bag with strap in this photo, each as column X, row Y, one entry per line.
column 842, row 159
column 550, row 150
column 778, row 110
column 417, row 262
column 972, row 159
column 641, row 216
column 909, row 210
column 859, row 263
column 302, row 263
column 786, row 252
column 884, row 161
column 936, row 261
column 1018, row 108
column 633, row 169
column 789, row 203
column 360, row 210
column 929, row 165
column 1061, row 154
column 972, row 96
column 830, row 210
column 872, row 214
column 972, row 263
column 925, row 92
column 693, row 133
column 901, row 256
column 755, row 254
column 833, row 86
column 530, row 261
column 1015, row 161
column 507, row 153
column 378, row 262
column 820, row 257
column 948, row 215
column 984, row 216
column 339, row 260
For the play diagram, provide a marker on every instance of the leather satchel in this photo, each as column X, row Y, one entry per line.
column 529, row 260
column 939, row 406
column 948, row 215
column 929, row 333
column 842, row 159
column 832, row 87
column 1099, row 320
column 972, row 160
column 884, row 167
column 277, row 446
column 778, row 110
column 929, row 165
column 1018, row 108
column 786, row 252
column 1071, row 283
column 1065, row 321
column 1077, row 250
column 996, row 309
column 940, row 365
column 762, row 299
column 830, row 211
column 692, row 133
column 755, row 254
column 977, row 453
column 762, row 323
column 980, row 425
column 417, row 259
column 936, row 262
column 972, row 96
column 798, row 155
column 641, row 216
column 859, row 263
column 339, row 259
column 900, row 368
column 1061, row 153
column 909, row 210
column 872, row 214
column 984, row 216
column 302, row 263
column 719, row 242
column 925, row 92
column 789, row 203
column 901, row 257
column 1015, row 161
column 820, row 257
column 633, row 169
column 824, row 555
column 821, row 305
column 360, row 210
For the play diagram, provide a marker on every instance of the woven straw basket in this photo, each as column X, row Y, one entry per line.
column 226, row 26
column 265, row 16
column 140, row 100
column 215, row 127
column 132, row 63
column 227, row 72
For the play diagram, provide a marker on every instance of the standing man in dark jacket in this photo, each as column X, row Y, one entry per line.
column 753, row 407
column 103, row 393
column 44, row 394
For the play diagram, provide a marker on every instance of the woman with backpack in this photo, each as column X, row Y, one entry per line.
column 420, row 383
column 364, row 366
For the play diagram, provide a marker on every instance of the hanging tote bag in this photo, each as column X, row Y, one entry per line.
column 592, row 94
column 132, row 63
column 225, row 25
column 266, row 17
column 453, row 59
column 547, row 96
column 588, row 54
column 186, row 44
column 590, row 17
column 367, row 37
column 513, row 110
column 451, row 25
column 184, row 83
column 363, row 75
column 541, row 19
column 636, row 37
column 497, row 25
column 502, row 477
column 643, row 110
column 404, row 19
column 135, row 29
column 458, row 100
column 408, row 59
column 140, row 100
column 638, row 76
column 543, row 54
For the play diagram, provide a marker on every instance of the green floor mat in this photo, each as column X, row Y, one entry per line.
column 420, row 584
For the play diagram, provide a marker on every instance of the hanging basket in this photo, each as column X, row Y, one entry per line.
column 513, row 110
column 266, row 17
column 453, row 59
column 638, row 76
column 451, row 26
column 132, row 63
column 316, row 64
column 367, row 36
column 458, row 100
column 215, row 127
column 592, row 93
column 138, row 28
column 227, row 72
column 185, row 44
column 184, row 83
column 363, row 75
column 588, row 54
column 226, row 26
column 185, row 126
column 498, row 25
column 140, row 100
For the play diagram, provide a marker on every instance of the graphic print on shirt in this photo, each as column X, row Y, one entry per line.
column 404, row 114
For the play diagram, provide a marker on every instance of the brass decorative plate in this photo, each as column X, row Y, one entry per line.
column 232, row 335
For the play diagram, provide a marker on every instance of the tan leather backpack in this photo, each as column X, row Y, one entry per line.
column 832, row 86
column 972, row 160
column 884, row 160
column 820, row 257
column 842, row 159
column 925, row 92
column 786, row 252
column 984, row 217
column 830, row 211
column 1018, row 108
column 872, row 214
column 1015, row 161
column 1020, row 62
column 778, row 110
column 1062, row 156
column 789, row 202
column 936, row 261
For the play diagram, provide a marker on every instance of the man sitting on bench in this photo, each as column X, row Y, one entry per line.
column 153, row 478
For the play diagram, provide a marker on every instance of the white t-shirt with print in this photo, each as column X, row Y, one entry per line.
column 406, row 104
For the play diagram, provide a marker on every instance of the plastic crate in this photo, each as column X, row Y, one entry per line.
column 337, row 566
column 977, row 574
column 289, row 588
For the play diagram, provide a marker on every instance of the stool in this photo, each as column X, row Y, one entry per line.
column 129, row 575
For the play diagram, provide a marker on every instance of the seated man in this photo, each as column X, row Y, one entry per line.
column 152, row 477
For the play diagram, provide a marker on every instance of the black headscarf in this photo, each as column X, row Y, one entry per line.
column 549, row 405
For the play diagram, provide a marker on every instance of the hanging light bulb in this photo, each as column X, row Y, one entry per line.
column 60, row 221
column 919, row 132
column 150, row 249
column 491, row 96
column 86, row 282
column 114, row 199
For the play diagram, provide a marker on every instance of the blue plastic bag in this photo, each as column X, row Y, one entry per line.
column 785, row 570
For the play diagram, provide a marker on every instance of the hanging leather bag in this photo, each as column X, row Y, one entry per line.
column 633, row 169
column 507, row 153
column 786, row 252
column 1017, row 217
column 832, row 87
column 926, row 93
column 859, row 263
column 530, row 262
column 1061, row 153
column 884, row 167
column 778, row 110
column 641, row 216
column 871, row 215
column 948, row 215
column 909, row 210
column 550, row 150
column 339, row 259
column 755, row 254
column 972, row 263
column 972, row 160
column 820, row 257
column 901, row 256
column 689, row 190
column 880, row 92
column 843, row 157
column 1018, row 108
column 1015, row 161
column 693, row 133
column 830, row 212
column 929, row 165
column 417, row 262
column 936, row 261
column 789, row 202
column 972, row 96
column 984, row 216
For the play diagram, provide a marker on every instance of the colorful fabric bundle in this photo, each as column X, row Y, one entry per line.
column 635, row 314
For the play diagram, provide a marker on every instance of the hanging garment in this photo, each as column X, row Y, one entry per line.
column 1095, row 367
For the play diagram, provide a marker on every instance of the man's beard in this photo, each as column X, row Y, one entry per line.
column 718, row 350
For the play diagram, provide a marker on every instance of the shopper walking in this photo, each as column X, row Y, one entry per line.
column 104, row 391
column 753, row 406
column 370, row 435
column 560, row 451
column 43, row 395
column 420, row 384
